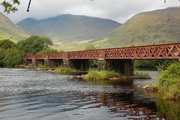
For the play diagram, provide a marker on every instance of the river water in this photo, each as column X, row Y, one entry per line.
column 38, row 95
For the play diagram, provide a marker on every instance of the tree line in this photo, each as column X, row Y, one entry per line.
column 12, row 54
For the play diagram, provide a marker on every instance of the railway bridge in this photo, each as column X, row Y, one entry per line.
column 117, row 59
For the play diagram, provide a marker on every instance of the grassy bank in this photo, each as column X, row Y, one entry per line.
column 141, row 74
column 169, row 82
column 44, row 67
column 65, row 70
column 100, row 75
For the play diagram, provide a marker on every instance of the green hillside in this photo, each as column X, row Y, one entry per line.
column 10, row 31
column 155, row 27
column 70, row 27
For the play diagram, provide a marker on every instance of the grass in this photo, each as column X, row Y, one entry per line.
column 141, row 74
column 100, row 75
column 169, row 82
column 65, row 70
column 44, row 67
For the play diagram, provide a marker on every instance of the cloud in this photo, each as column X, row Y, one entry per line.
column 119, row 10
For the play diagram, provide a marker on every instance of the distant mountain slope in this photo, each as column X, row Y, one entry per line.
column 70, row 27
column 10, row 31
column 155, row 27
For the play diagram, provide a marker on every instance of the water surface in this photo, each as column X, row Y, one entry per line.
column 38, row 95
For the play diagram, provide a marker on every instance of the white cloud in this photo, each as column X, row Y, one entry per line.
column 119, row 10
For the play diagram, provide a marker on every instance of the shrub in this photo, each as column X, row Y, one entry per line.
column 169, row 81
column 100, row 75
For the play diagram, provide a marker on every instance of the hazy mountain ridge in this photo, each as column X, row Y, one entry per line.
column 9, row 30
column 155, row 27
column 70, row 27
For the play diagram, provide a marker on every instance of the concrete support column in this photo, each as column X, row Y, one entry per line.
column 102, row 64
column 34, row 62
column 46, row 62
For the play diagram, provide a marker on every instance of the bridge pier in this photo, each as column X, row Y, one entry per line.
column 102, row 64
column 34, row 62
column 46, row 62
column 124, row 67
column 66, row 63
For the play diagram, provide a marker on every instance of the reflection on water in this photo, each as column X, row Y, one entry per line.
column 37, row 95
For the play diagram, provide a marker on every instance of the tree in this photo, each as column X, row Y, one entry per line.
column 13, row 57
column 90, row 47
column 7, row 44
column 2, row 55
column 9, row 6
column 34, row 44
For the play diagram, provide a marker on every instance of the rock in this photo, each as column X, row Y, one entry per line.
column 151, row 89
column 115, row 78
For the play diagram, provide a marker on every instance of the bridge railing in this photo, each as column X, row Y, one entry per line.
column 87, row 54
column 55, row 55
column 166, row 51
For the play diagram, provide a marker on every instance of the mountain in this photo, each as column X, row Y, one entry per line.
column 70, row 27
column 155, row 27
column 8, row 30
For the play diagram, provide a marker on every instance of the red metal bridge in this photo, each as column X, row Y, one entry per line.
column 117, row 59
column 165, row 51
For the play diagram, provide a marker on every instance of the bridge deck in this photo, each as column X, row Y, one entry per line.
column 165, row 51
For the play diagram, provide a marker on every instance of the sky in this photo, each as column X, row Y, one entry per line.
column 118, row 10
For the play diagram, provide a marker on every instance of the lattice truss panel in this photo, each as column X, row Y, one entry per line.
column 166, row 51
